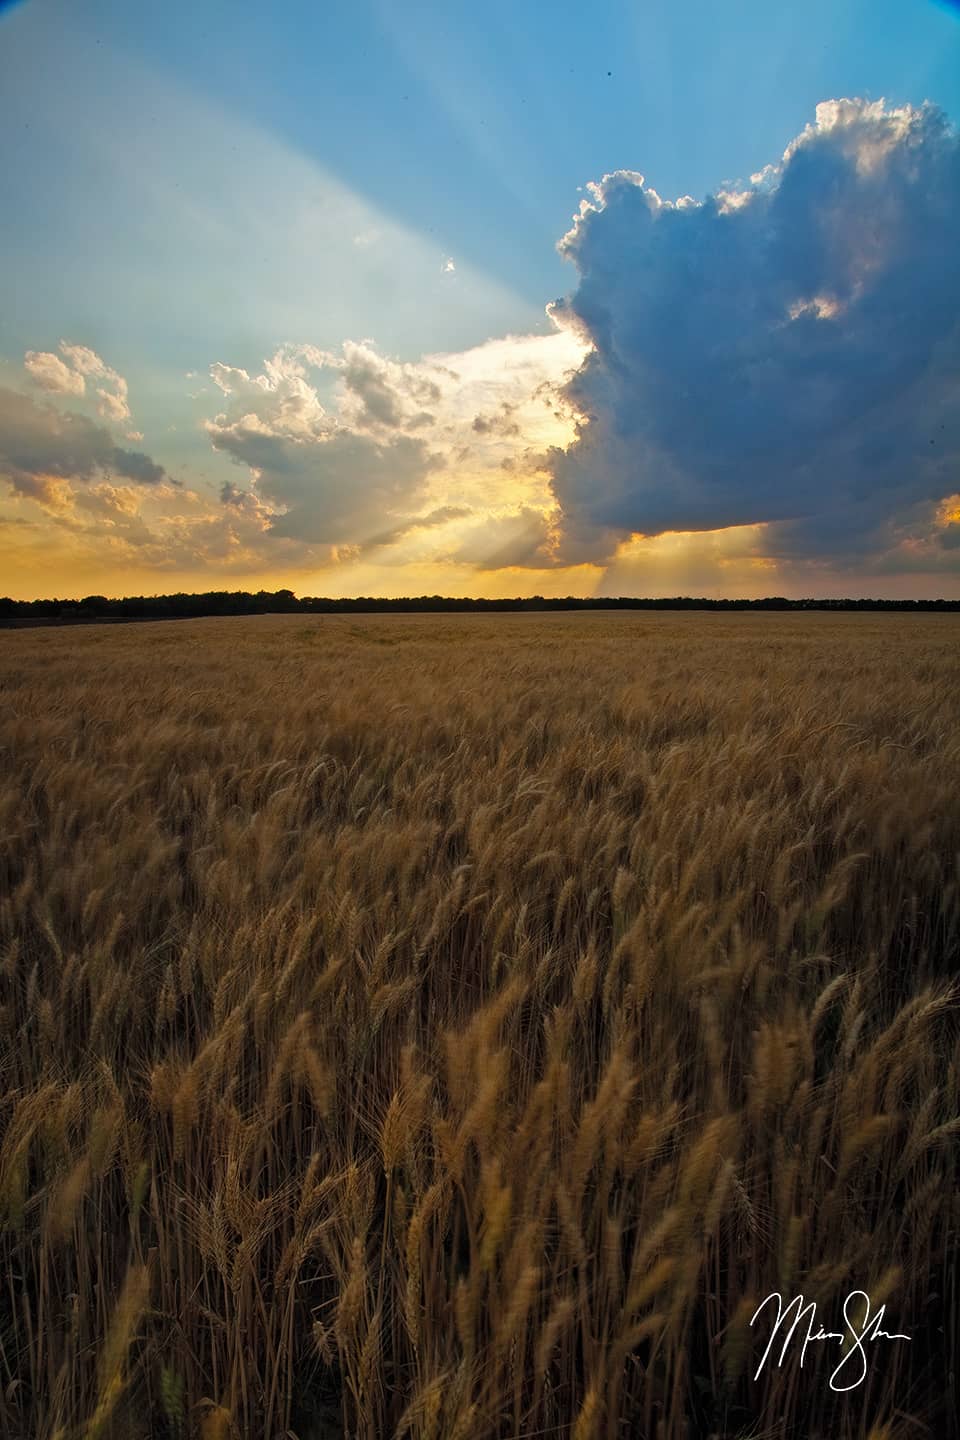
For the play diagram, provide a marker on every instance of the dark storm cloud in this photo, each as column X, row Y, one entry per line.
column 787, row 353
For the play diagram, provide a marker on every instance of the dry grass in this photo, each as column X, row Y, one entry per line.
column 452, row 1027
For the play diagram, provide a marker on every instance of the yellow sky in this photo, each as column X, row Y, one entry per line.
column 440, row 486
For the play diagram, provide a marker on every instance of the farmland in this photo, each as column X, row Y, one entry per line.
column 453, row 1027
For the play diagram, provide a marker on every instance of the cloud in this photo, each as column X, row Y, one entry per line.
column 383, row 392
column 331, row 491
column 785, row 353
column 521, row 540
column 281, row 400
column 497, row 424
column 41, row 446
column 51, row 373
column 354, row 450
column 68, row 376
column 433, row 520
column 324, row 483
column 347, row 460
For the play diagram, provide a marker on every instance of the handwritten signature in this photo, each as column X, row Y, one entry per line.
column 856, row 1335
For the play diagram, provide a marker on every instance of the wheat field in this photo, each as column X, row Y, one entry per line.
column 453, row 1027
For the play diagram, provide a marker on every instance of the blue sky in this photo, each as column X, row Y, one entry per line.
column 197, row 184
column 472, row 124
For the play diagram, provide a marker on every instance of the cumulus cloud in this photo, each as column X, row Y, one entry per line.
column 324, row 483
column 344, row 458
column 42, row 447
column 383, row 392
column 354, row 450
column 68, row 376
column 786, row 352
column 53, row 374
column 281, row 400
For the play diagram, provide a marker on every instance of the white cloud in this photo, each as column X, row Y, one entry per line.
column 68, row 376
column 397, row 448
column 281, row 400
column 324, row 483
column 51, row 373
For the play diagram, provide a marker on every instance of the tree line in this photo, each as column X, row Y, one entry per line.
column 271, row 602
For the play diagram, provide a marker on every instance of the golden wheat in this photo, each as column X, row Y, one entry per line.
column 453, row 1027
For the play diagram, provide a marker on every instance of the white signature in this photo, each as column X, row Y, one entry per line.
column 856, row 1335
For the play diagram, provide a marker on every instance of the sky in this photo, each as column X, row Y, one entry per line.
column 369, row 299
